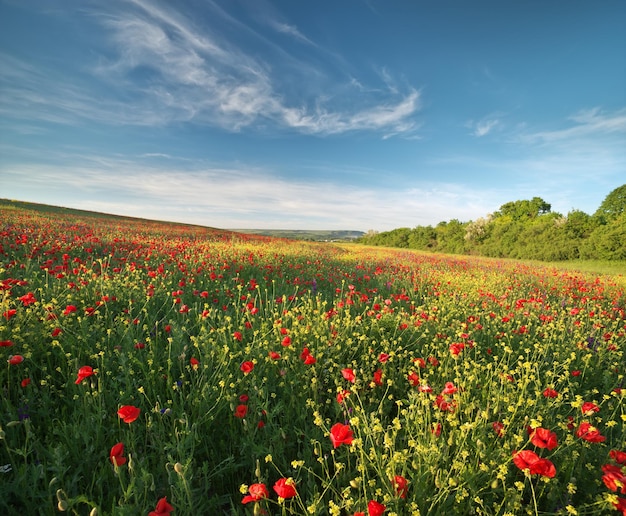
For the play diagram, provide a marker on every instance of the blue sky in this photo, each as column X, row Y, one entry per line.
column 359, row 114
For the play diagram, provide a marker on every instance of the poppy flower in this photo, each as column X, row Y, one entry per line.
column 375, row 508
column 15, row 359
column 378, row 377
column 194, row 362
column 383, row 357
column 589, row 433
column 274, row 355
column 414, row 379
column 238, row 336
column 449, row 388
column 589, row 408
column 543, row 438
column 498, row 428
column 69, row 309
column 25, row 382
column 286, row 342
column 247, row 367
column 5, row 343
column 309, row 360
column 162, row 508
column 529, row 460
column 401, row 485
column 342, row 395
column 613, row 478
column 116, row 455
column 285, row 488
column 84, row 372
column 128, row 413
column 618, row 456
column 241, row 411
column 256, row 493
column 340, row 434
column 550, row 393
column 348, row 374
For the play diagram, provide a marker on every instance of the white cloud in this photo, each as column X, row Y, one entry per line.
column 229, row 197
column 588, row 123
column 163, row 67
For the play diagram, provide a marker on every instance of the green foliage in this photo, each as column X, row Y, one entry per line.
column 613, row 205
column 525, row 229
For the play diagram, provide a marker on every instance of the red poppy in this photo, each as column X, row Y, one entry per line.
column 286, row 341
column 9, row 313
column 128, row 413
column 378, row 377
column 69, row 309
column 550, row 393
column 589, row 408
column 247, row 367
column 116, row 455
column 274, row 355
column 589, row 433
column 340, row 434
column 237, row 336
column 618, row 456
column 449, row 388
column 256, row 493
column 342, row 395
column 140, row 345
column 241, row 411
column 436, row 429
column 614, row 478
column 5, row 343
column 375, row 508
column 25, row 382
column 285, row 488
column 348, row 374
column 309, row 360
column 414, row 379
column 543, row 438
column 84, row 372
column 529, row 460
column 401, row 485
column 162, row 508
column 498, row 428
column 15, row 359
column 194, row 362
column 620, row 505
column 383, row 357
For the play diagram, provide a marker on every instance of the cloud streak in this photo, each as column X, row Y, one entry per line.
column 230, row 197
column 160, row 67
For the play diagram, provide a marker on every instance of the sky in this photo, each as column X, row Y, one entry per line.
column 295, row 114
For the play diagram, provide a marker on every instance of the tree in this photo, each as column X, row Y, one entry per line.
column 613, row 205
column 524, row 209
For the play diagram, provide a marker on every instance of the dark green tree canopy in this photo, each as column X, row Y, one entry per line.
column 613, row 205
column 525, row 209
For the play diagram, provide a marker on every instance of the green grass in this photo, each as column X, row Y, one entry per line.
column 243, row 353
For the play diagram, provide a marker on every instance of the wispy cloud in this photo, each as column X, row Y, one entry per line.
column 162, row 67
column 588, row 123
column 484, row 126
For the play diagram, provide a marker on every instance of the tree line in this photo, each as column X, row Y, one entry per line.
column 525, row 229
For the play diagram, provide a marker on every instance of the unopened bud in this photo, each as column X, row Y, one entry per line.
column 178, row 467
column 62, row 505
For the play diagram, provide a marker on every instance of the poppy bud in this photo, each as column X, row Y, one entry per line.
column 178, row 467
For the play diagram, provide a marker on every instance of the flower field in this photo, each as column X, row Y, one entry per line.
column 149, row 368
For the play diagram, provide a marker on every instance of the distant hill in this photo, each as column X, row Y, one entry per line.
column 315, row 235
column 295, row 234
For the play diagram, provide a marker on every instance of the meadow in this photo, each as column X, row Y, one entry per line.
column 150, row 368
